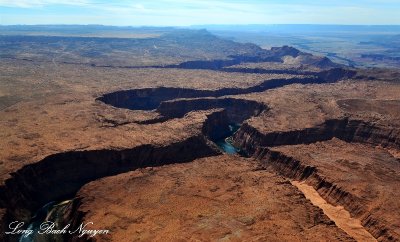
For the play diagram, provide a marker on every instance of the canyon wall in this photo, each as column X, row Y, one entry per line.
column 237, row 110
column 294, row 169
column 249, row 138
column 59, row 176
column 217, row 125
column 151, row 98
column 255, row 143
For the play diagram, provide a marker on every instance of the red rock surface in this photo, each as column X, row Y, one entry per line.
column 367, row 177
column 225, row 198
column 342, row 138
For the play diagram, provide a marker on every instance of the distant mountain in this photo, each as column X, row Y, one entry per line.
column 311, row 60
column 159, row 46
column 162, row 47
column 301, row 28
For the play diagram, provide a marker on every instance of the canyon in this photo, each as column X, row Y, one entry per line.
column 135, row 148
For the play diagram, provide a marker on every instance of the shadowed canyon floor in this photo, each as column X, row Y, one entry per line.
column 89, row 132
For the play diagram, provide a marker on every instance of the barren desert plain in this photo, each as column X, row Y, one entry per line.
column 179, row 135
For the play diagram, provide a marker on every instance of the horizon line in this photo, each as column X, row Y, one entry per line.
column 255, row 24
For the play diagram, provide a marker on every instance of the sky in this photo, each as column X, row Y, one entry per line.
column 199, row 12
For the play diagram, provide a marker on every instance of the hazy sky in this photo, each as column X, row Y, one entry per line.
column 190, row 12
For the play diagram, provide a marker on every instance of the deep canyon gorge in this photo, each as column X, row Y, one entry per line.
column 207, row 147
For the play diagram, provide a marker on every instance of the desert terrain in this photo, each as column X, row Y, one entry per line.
column 357, row 46
column 126, row 133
